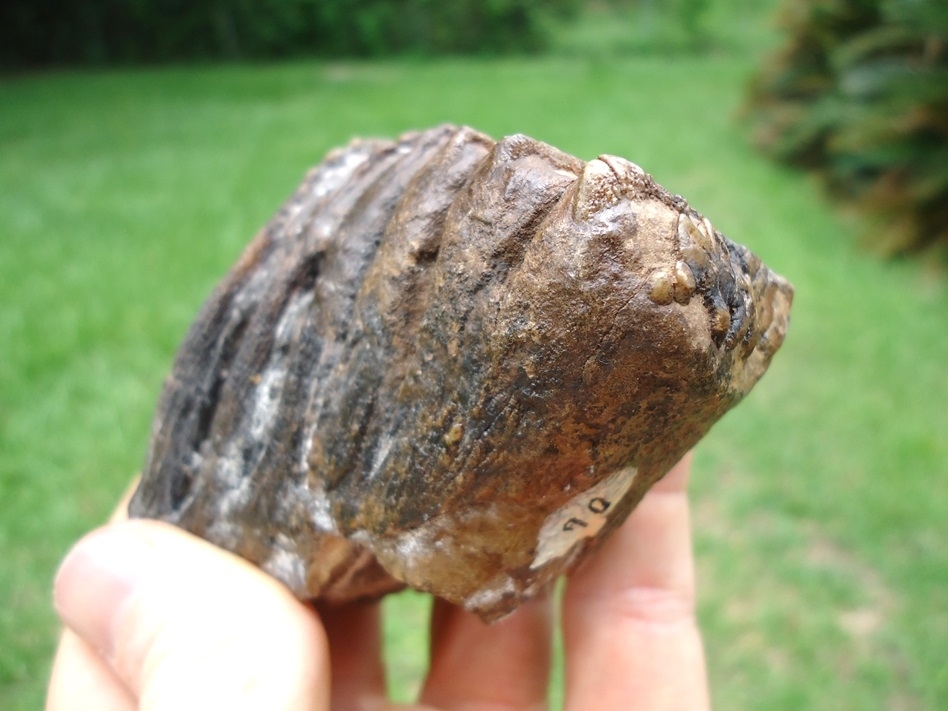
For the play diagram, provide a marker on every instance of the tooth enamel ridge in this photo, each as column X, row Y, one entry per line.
column 456, row 364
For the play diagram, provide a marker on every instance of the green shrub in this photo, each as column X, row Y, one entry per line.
column 58, row 32
column 860, row 95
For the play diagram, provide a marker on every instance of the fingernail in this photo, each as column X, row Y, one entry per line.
column 96, row 579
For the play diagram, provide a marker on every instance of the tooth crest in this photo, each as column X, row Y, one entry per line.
column 597, row 189
column 624, row 169
column 684, row 286
column 708, row 228
column 661, row 287
column 689, row 230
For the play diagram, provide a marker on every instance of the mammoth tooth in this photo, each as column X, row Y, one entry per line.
column 454, row 364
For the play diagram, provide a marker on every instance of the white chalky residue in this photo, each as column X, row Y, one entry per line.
column 306, row 447
column 320, row 510
column 381, row 455
column 314, row 493
column 248, row 294
column 291, row 317
column 229, row 471
column 583, row 517
column 226, row 531
column 338, row 174
column 270, row 388
column 415, row 544
column 266, row 402
column 287, row 567
column 235, row 495
column 486, row 598
column 328, row 179
column 231, row 465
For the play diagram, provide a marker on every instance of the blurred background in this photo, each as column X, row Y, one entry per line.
column 143, row 143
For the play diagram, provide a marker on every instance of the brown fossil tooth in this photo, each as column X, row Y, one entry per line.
column 455, row 364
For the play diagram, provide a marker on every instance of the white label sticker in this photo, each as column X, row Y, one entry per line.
column 583, row 517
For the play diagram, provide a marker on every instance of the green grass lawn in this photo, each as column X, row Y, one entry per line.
column 821, row 503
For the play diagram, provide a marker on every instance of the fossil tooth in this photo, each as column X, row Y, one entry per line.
column 455, row 364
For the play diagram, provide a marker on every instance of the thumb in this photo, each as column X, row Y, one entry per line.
column 185, row 625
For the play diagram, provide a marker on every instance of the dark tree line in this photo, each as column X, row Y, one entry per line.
column 40, row 33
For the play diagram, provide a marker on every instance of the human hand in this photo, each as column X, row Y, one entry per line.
column 159, row 619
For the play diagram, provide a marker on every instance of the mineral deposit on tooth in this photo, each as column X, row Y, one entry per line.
column 455, row 364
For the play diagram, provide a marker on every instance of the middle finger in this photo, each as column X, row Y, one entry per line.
column 503, row 665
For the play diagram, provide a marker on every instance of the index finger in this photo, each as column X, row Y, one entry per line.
column 629, row 628
column 78, row 671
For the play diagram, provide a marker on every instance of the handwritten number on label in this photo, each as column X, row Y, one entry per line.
column 599, row 505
